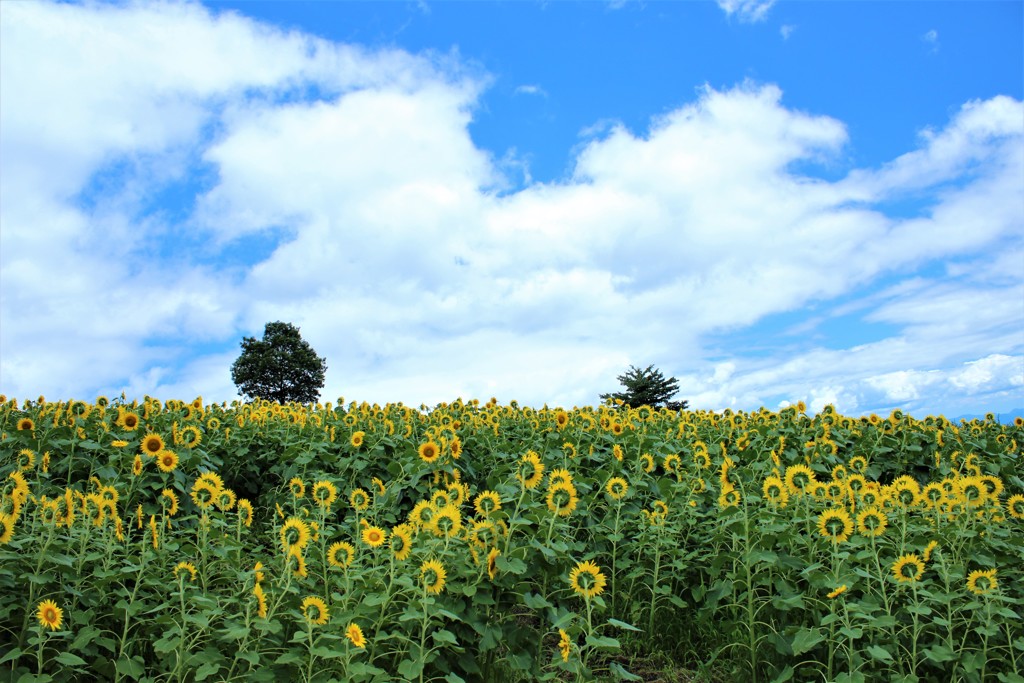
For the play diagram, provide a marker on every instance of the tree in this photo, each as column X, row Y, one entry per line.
column 280, row 367
column 647, row 387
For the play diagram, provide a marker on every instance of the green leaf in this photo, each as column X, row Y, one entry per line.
column 784, row 676
column 879, row 653
column 805, row 640
column 326, row 652
column 11, row 655
column 603, row 642
column 453, row 678
column 288, row 658
column 940, row 653
column 206, row 670
column 70, row 659
column 622, row 624
column 410, row 669
column 35, row 678
column 511, row 565
column 132, row 668
column 445, row 636
column 621, row 674
column 534, row 601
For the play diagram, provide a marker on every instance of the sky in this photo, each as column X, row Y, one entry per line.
column 770, row 201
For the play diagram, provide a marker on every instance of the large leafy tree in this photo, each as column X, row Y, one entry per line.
column 647, row 387
column 280, row 367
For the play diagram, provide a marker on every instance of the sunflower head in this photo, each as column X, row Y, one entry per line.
column 355, row 635
column 908, row 569
column 835, row 525
column 432, row 574
column 982, row 582
column 50, row 616
column 314, row 609
column 341, row 554
column 587, row 580
column 374, row 536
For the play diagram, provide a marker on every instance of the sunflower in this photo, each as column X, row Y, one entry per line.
column 531, row 470
column 908, row 569
column 26, row 459
column 933, row 495
column 183, row 567
column 6, row 528
column 314, row 609
column 835, row 524
column 561, row 418
column 729, row 496
column 26, row 424
column 49, row 615
column 562, row 499
column 981, row 582
column 297, row 488
column 569, row 449
column 972, row 491
column 487, row 502
column 171, row 503
column 152, row 444
column 225, row 500
column 297, row 563
column 799, row 478
column 325, row 493
column 355, row 635
column 564, row 644
column 203, row 494
column 587, row 580
column 167, row 460
column 701, row 459
column 137, row 465
column 559, row 476
column 128, row 421
column 671, row 463
column 357, row 439
column 422, row 513
column 429, row 452
column 294, row 534
column 928, row 550
column 905, row 491
column 341, row 554
column 1015, row 506
column 261, row 601
column 374, row 536
column 647, row 462
column 447, row 522
column 837, row 592
column 401, row 541
column 617, row 452
column 154, row 531
column 432, row 574
column 455, row 448
column 245, row 512
column 213, row 478
column 440, row 499
column 872, row 522
column 774, row 491
column 492, row 563
column 617, row 488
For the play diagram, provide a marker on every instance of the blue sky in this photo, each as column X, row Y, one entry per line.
column 772, row 202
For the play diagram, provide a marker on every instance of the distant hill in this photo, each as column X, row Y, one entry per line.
column 1003, row 418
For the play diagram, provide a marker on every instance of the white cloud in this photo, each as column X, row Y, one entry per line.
column 786, row 30
column 931, row 38
column 750, row 11
column 530, row 89
column 393, row 242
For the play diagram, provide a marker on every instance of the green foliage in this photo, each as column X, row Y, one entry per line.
column 281, row 367
column 647, row 387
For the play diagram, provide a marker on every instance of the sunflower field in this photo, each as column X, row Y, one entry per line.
column 174, row 541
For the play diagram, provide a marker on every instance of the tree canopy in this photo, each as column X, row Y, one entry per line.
column 281, row 367
column 647, row 386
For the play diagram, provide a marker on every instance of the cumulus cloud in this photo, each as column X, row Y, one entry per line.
column 340, row 189
column 750, row 11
